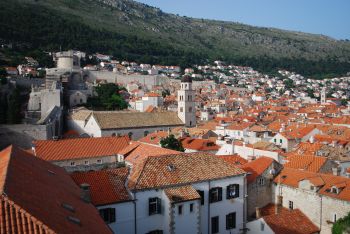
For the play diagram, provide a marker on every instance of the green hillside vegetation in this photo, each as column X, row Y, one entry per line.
column 135, row 31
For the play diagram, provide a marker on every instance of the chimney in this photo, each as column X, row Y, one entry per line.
column 278, row 204
column 257, row 213
column 336, row 171
column 312, row 139
column 85, row 193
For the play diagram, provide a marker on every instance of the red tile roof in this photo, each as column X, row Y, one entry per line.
column 166, row 170
column 306, row 162
column 182, row 193
column 292, row 177
column 257, row 167
column 199, row 144
column 106, row 186
column 67, row 149
column 233, row 159
column 154, row 138
column 35, row 191
column 288, row 221
column 142, row 151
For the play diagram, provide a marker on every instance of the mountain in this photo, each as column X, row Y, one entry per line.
column 135, row 31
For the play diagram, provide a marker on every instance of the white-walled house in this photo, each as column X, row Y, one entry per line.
column 323, row 198
column 81, row 154
column 188, row 193
column 110, row 198
column 150, row 99
column 287, row 139
column 181, row 193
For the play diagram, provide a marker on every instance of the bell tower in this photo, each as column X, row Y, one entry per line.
column 186, row 109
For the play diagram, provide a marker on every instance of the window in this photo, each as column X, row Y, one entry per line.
column 130, row 135
column 108, row 215
column 146, row 133
column 99, row 161
column 181, row 109
column 232, row 191
column 261, row 181
column 179, row 208
column 281, row 141
column 201, row 193
column 72, row 164
column 231, row 221
column 215, row 224
column 190, row 109
column 86, row 162
column 154, row 206
column 190, row 123
column 191, row 207
column 290, row 205
column 275, row 140
column 334, row 218
column 215, row 194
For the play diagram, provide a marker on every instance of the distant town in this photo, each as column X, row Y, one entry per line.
column 101, row 145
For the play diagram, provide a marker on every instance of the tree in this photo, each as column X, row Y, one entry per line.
column 14, row 108
column 342, row 225
column 108, row 98
column 344, row 102
column 171, row 142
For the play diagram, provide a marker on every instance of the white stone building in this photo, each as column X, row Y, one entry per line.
column 183, row 193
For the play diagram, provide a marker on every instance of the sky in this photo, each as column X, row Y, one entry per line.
column 327, row 17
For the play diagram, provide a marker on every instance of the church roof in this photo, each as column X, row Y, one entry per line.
column 121, row 119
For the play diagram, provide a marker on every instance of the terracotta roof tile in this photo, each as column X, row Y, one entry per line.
column 199, row 144
column 182, row 193
column 179, row 169
column 306, row 162
column 233, row 159
column 106, row 186
column 257, row 167
column 292, row 177
column 37, row 191
column 154, row 138
column 290, row 222
column 124, row 119
column 142, row 151
column 66, row 149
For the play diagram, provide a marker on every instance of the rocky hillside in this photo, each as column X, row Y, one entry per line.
column 131, row 30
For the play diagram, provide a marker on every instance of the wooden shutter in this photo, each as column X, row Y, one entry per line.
column 237, row 190
column 219, row 194
column 159, row 206
column 112, row 215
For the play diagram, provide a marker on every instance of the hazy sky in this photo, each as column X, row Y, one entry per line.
column 328, row 17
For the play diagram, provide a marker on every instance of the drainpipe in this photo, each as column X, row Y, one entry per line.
column 244, row 203
column 135, row 222
column 209, row 207
column 321, row 213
